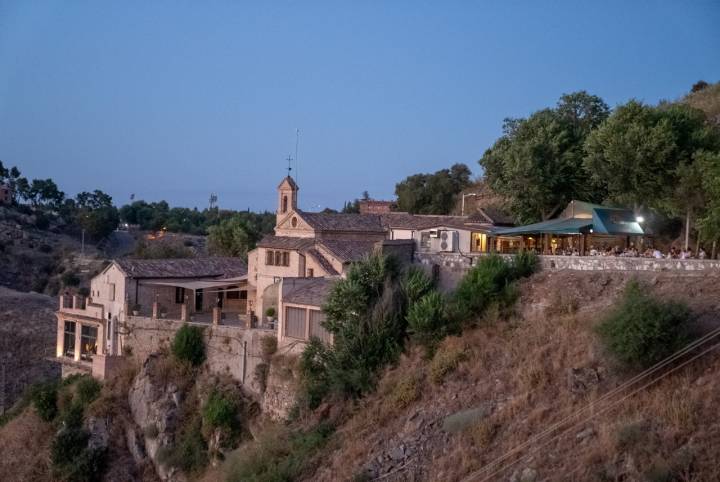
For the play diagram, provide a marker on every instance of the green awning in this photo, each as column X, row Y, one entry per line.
column 616, row 222
column 552, row 226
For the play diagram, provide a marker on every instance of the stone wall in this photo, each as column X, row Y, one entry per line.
column 230, row 349
column 450, row 267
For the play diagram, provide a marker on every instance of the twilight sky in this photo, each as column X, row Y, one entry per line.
column 174, row 100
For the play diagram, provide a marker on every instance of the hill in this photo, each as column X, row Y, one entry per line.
column 428, row 421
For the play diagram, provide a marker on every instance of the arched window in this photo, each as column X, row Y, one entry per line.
column 284, row 204
column 294, row 222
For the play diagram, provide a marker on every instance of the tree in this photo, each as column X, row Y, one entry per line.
column 699, row 85
column 96, row 214
column 232, row 237
column 537, row 164
column 708, row 164
column 46, row 193
column 631, row 156
column 432, row 193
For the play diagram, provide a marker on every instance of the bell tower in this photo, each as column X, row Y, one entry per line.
column 287, row 198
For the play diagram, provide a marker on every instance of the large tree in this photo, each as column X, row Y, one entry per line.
column 432, row 193
column 233, row 237
column 537, row 164
column 96, row 214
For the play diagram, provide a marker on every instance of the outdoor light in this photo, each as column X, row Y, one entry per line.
column 591, row 230
column 640, row 219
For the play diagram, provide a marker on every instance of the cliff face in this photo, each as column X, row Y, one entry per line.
column 27, row 340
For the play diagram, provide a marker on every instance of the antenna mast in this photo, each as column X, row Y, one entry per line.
column 297, row 141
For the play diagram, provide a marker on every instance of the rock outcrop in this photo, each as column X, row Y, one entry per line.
column 155, row 407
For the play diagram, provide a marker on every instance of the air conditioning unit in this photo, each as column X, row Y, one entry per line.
column 445, row 242
column 434, row 233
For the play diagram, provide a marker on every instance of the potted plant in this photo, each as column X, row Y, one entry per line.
column 270, row 314
column 136, row 309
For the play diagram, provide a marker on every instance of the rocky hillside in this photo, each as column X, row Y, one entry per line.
column 447, row 417
column 493, row 388
column 27, row 339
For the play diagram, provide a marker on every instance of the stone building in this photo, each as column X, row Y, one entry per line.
column 310, row 245
column 91, row 330
column 6, row 194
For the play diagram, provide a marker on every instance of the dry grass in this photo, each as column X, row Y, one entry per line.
column 521, row 367
column 447, row 359
column 25, row 449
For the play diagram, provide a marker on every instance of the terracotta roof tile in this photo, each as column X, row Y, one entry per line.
column 311, row 292
column 344, row 222
column 322, row 261
column 348, row 250
column 183, row 267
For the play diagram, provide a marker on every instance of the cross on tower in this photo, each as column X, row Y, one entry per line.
column 289, row 160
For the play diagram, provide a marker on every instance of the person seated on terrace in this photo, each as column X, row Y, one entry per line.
column 593, row 251
column 701, row 254
column 657, row 254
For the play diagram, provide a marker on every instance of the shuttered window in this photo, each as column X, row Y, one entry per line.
column 295, row 322
column 316, row 328
column 269, row 258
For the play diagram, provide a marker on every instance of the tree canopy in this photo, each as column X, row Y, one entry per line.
column 537, row 164
column 432, row 193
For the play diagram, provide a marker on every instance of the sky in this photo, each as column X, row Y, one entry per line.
column 174, row 100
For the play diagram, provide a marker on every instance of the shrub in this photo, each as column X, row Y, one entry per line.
column 70, row 278
column 88, row 390
column 428, row 321
column 190, row 450
column 188, row 345
column 524, row 264
column 270, row 312
column 405, row 392
column 268, row 347
column 279, row 456
column 220, row 411
column 444, row 362
column 642, row 330
column 416, row 285
column 484, row 283
column 44, row 398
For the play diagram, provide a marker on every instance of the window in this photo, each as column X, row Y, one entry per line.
column 88, row 342
column 295, row 322
column 285, row 258
column 269, row 258
column 243, row 295
column 233, row 293
column 425, row 240
column 479, row 242
column 294, row 222
column 111, row 292
column 284, row 204
column 310, row 273
column 278, row 258
column 316, row 329
column 69, row 339
column 179, row 295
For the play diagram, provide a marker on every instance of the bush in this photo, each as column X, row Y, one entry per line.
column 445, row 362
column 279, row 456
column 44, row 398
column 524, row 264
column 405, row 392
column 220, row 411
column 642, row 330
column 485, row 283
column 268, row 347
column 189, row 453
column 88, row 390
column 428, row 321
column 188, row 345
column 70, row 278
column 270, row 312
column 416, row 285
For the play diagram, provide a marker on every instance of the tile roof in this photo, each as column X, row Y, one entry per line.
column 322, row 261
column 426, row 221
column 344, row 222
column 496, row 215
column 313, row 291
column 348, row 250
column 183, row 267
column 285, row 242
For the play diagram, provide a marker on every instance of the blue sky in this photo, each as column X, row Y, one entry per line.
column 173, row 100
